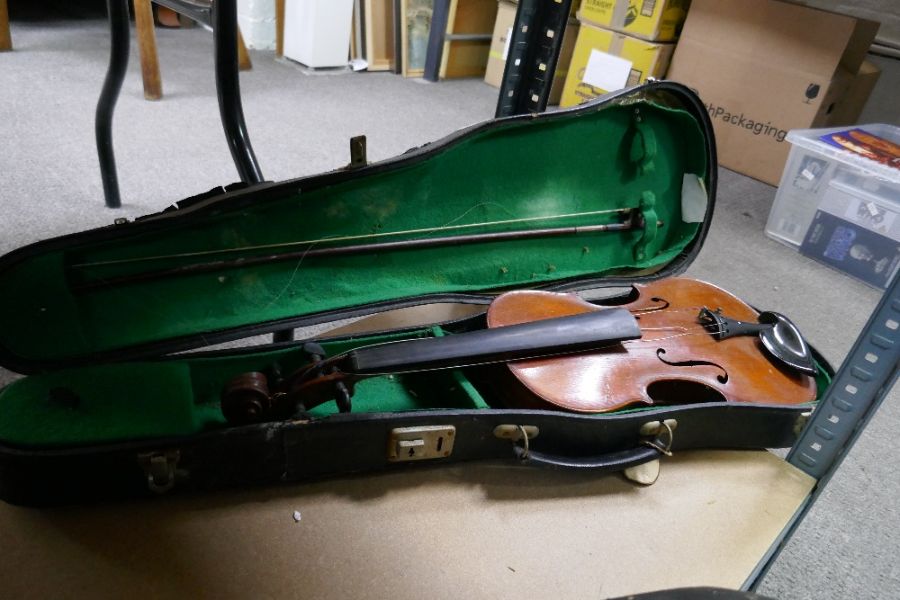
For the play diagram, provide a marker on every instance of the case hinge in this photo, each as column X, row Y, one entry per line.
column 800, row 422
column 160, row 468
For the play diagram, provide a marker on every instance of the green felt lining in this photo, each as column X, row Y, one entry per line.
column 170, row 398
column 590, row 162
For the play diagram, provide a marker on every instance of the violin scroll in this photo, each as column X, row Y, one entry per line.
column 252, row 398
column 246, row 398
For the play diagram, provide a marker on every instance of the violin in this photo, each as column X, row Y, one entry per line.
column 672, row 341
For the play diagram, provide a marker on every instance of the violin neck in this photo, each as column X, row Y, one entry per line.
column 561, row 335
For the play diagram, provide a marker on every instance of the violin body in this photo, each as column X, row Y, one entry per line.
column 676, row 360
column 565, row 353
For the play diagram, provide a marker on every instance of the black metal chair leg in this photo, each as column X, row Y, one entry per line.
column 440, row 15
column 229, row 91
column 115, row 75
column 230, row 107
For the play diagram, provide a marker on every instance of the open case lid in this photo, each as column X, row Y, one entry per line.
column 611, row 192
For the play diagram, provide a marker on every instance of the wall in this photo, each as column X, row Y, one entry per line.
column 885, row 11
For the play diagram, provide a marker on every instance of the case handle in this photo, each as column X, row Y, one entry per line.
column 604, row 463
column 649, row 450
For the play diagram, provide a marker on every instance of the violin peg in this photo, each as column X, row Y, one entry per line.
column 314, row 351
column 644, row 474
column 246, row 398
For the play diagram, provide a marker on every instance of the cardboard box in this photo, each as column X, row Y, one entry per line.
column 763, row 67
column 506, row 16
column 652, row 20
column 565, row 61
column 604, row 61
column 847, row 109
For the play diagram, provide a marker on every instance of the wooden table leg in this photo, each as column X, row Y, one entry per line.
column 279, row 27
column 146, row 35
column 5, row 38
column 244, row 63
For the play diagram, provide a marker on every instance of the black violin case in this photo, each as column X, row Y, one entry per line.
column 115, row 327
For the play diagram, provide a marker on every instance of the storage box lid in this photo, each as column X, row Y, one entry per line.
column 872, row 149
column 612, row 191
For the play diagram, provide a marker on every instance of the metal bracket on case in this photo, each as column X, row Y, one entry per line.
column 800, row 423
column 514, row 433
column 160, row 468
column 358, row 152
column 663, row 433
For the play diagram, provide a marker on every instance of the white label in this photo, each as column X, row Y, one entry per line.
column 506, row 45
column 693, row 199
column 607, row 72
column 870, row 215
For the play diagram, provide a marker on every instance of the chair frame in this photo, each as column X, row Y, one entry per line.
column 198, row 11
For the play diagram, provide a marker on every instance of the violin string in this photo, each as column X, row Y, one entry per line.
column 628, row 343
column 706, row 329
column 499, row 361
column 655, row 341
column 641, row 311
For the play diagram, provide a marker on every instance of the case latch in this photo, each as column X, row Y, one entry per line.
column 420, row 443
column 160, row 469
column 800, row 423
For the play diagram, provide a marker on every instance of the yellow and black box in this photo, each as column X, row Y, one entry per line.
column 604, row 61
column 652, row 20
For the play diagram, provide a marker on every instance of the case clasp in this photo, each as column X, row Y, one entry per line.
column 419, row 443
column 160, row 468
column 800, row 423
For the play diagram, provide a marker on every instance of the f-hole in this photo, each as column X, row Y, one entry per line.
column 722, row 377
column 677, row 391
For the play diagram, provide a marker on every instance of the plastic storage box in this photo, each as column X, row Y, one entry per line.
column 839, row 199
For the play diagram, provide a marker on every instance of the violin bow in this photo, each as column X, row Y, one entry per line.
column 632, row 219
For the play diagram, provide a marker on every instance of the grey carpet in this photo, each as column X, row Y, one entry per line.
column 300, row 124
